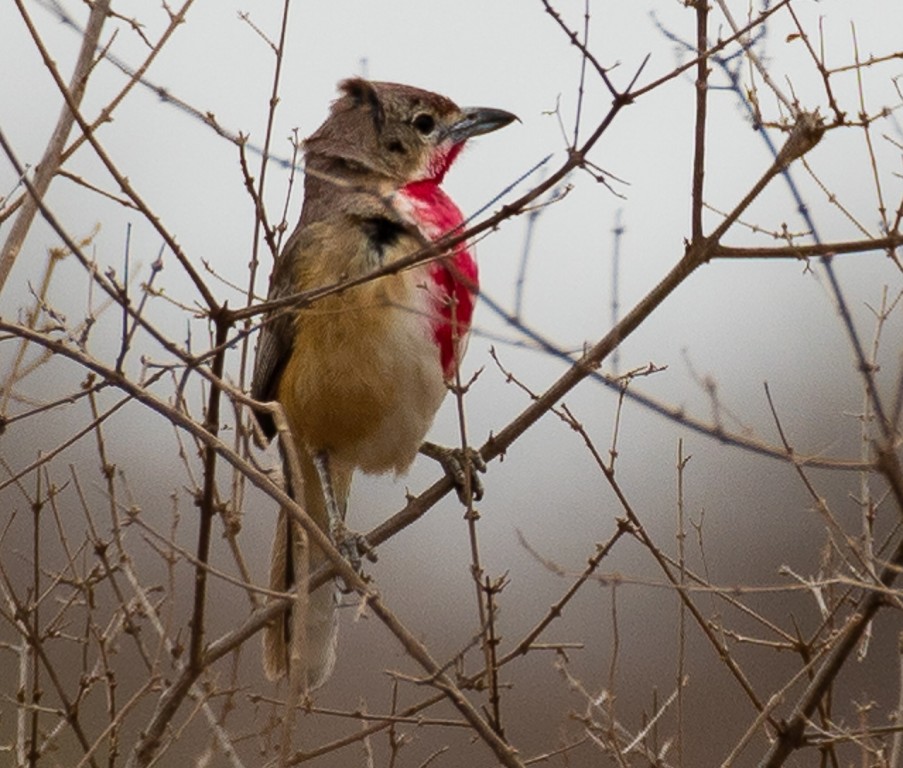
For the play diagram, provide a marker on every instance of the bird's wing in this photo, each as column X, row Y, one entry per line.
column 353, row 242
column 274, row 346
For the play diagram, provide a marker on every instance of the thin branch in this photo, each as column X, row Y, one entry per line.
column 51, row 160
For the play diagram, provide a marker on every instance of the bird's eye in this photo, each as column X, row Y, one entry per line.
column 424, row 123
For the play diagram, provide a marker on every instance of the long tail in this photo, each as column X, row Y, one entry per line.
column 304, row 635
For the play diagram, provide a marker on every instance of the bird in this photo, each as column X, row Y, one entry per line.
column 361, row 372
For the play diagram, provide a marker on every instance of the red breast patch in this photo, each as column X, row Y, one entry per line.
column 455, row 277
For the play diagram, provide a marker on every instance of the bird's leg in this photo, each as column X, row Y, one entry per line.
column 335, row 519
column 455, row 462
column 351, row 545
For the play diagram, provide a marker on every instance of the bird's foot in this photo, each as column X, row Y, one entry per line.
column 353, row 547
column 456, row 462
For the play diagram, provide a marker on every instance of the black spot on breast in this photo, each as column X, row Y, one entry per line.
column 382, row 233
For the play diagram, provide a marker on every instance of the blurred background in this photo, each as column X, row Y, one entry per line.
column 750, row 522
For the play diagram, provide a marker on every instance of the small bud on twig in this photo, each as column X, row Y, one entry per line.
column 803, row 137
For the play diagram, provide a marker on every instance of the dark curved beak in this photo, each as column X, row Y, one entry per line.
column 475, row 121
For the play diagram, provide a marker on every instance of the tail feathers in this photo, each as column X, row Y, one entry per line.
column 303, row 638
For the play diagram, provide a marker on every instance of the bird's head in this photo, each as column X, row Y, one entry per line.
column 403, row 133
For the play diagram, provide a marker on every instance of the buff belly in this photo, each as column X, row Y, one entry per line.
column 364, row 379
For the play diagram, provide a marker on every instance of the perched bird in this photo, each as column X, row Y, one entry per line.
column 360, row 373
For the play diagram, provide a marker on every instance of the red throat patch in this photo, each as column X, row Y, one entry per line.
column 441, row 161
column 455, row 277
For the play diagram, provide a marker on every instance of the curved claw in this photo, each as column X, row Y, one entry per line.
column 455, row 462
column 352, row 547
